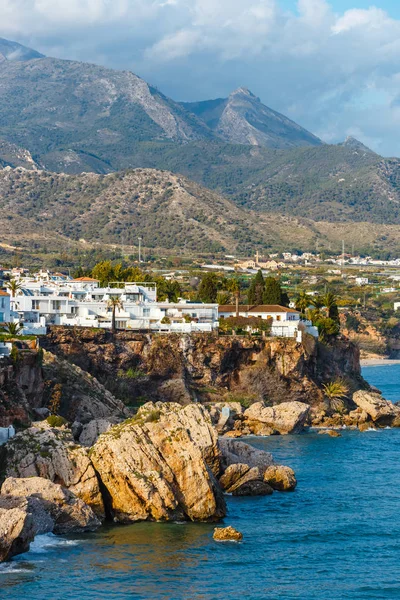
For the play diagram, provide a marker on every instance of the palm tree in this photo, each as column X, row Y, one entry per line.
column 14, row 287
column 335, row 391
column 234, row 288
column 303, row 302
column 12, row 328
column 330, row 303
column 114, row 303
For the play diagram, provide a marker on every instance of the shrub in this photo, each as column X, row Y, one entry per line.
column 56, row 421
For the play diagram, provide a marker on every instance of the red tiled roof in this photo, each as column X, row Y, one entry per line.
column 256, row 308
column 3, row 293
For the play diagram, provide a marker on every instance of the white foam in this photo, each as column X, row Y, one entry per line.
column 42, row 543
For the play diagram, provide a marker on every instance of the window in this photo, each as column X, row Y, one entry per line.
column 278, row 317
column 56, row 304
column 1, row 317
column 35, row 304
column 146, row 312
column 2, row 303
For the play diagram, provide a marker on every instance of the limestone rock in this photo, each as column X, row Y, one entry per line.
column 223, row 414
column 250, row 483
column 330, row 432
column 235, row 451
column 69, row 513
column 42, row 521
column 16, row 531
column 280, row 478
column 380, row 410
column 159, row 465
column 227, row 534
column 288, row 417
column 92, row 430
column 232, row 475
column 52, row 454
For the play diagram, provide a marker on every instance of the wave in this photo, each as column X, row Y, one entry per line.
column 42, row 543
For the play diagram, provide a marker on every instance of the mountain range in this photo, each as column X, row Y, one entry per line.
column 246, row 164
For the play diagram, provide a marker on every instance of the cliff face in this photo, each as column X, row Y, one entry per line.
column 139, row 367
column 21, row 387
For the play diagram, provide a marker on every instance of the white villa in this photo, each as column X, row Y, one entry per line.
column 82, row 302
column 286, row 322
column 5, row 307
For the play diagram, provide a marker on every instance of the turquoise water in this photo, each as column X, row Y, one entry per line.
column 337, row 536
column 385, row 378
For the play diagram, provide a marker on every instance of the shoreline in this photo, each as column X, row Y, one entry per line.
column 376, row 362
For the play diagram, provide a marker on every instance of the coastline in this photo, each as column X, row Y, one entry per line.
column 377, row 362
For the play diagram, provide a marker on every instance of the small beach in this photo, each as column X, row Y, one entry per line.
column 378, row 362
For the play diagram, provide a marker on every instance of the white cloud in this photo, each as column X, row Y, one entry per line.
column 334, row 73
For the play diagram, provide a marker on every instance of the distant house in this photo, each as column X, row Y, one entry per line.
column 5, row 308
column 286, row 322
column 260, row 263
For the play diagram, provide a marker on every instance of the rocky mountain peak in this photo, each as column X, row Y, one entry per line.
column 243, row 91
column 354, row 144
column 16, row 52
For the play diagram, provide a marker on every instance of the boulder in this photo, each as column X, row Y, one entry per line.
column 53, row 454
column 42, row 521
column 232, row 475
column 330, row 432
column 69, row 513
column 16, row 531
column 250, row 483
column 223, row 414
column 234, row 451
column 381, row 411
column 241, row 480
column 160, row 464
column 288, row 417
column 280, row 478
column 92, row 430
column 227, row 534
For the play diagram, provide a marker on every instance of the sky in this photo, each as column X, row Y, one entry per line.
column 331, row 65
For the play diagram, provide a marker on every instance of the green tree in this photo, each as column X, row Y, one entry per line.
column 104, row 272
column 330, row 303
column 14, row 287
column 303, row 301
column 208, row 288
column 256, row 289
column 12, row 328
column 272, row 291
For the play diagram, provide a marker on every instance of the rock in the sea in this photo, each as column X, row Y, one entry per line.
column 53, row 454
column 288, row 417
column 235, row 451
column 69, row 513
column 16, row 531
column 381, row 411
column 241, row 480
column 280, row 478
column 160, row 464
column 227, row 534
column 330, row 432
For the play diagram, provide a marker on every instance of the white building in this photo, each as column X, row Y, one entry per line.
column 81, row 302
column 286, row 322
column 5, row 307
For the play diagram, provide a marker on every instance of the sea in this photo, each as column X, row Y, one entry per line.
column 337, row 536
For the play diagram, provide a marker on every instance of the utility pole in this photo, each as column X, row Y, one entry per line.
column 342, row 256
column 140, row 249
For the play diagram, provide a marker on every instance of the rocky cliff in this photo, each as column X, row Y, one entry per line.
column 204, row 367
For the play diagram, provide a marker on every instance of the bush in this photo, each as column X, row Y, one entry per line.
column 56, row 421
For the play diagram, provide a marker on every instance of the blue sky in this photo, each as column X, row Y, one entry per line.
column 391, row 6
column 331, row 65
